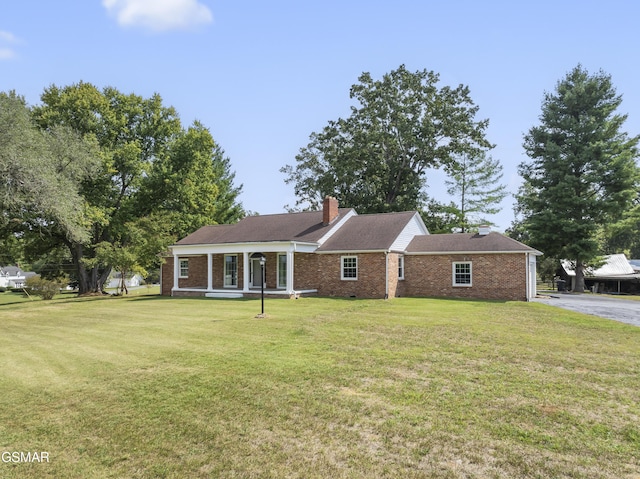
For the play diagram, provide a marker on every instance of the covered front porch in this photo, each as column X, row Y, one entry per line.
column 230, row 271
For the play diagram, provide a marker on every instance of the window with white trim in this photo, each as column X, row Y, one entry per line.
column 349, row 269
column 461, row 272
column 400, row 267
column 230, row 270
column 184, row 268
column 282, row 270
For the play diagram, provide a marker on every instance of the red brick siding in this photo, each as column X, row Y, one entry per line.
column 494, row 276
column 218, row 271
column 197, row 277
column 370, row 282
column 166, row 276
column 305, row 271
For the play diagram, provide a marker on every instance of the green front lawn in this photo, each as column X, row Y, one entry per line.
column 146, row 387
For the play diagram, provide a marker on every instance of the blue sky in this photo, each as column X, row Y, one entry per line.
column 264, row 75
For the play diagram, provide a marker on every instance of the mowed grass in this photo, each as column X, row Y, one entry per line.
column 151, row 387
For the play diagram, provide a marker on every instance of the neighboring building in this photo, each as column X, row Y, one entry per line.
column 131, row 281
column 617, row 275
column 336, row 252
column 13, row 277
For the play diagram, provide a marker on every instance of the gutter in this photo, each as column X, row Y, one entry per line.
column 386, row 275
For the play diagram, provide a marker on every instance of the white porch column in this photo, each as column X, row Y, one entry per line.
column 209, row 271
column 176, row 271
column 290, row 256
column 245, row 272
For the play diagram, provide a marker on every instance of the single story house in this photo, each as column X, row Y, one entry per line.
column 616, row 275
column 131, row 281
column 336, row 252
column 13, row 277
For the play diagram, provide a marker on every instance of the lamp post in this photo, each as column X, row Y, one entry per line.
column 263, row 260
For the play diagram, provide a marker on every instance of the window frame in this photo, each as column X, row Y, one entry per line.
column 233, row 275
column 400, row 267
column 282, row 270
column 353, row 267
column 455, row 274
column 182, row 268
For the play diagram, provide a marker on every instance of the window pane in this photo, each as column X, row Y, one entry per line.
column 282, row 271
column 462, row 273
column 350, row 267
column 230, row 270
column 184, row 268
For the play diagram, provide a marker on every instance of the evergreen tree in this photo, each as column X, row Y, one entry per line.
column 582, row 174
column 474, row 182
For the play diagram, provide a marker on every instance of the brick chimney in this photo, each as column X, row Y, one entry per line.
column 484, row 230
column 329, row 210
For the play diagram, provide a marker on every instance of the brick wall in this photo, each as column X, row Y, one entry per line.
column 494, row 276
column 198, row 273
column 370, row 282
column 166, row 276
column 305, row 271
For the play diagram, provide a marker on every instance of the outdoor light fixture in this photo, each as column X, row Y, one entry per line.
column 263, row 260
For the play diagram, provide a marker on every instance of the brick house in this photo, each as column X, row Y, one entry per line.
column 336, row 252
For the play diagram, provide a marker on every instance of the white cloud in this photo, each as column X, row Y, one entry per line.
column 6, row 52
column 159, row 15
column 8, row 37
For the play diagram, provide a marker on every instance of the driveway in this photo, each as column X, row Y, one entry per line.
column 619, row 309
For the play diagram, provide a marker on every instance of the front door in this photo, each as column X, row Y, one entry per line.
column 256, row 273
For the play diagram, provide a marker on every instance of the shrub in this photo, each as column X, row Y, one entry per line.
column 44, row 288
column 2, row 289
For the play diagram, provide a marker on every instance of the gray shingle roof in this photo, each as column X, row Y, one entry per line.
column 368, row 232
column 468, row 243
column 303, row 227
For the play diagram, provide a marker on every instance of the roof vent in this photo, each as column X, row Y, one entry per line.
column 484, row 230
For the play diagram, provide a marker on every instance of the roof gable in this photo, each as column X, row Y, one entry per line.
column 303, row 227
column 467, row 243
column 372, row 232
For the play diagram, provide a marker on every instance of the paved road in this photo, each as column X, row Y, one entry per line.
column 619, row 309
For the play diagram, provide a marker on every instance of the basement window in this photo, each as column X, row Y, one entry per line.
column 462, row 274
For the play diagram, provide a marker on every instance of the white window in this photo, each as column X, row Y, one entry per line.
column 462, row 274
column 400, row 267
column 349, row 270
column 231, row 270
column 282, row 271
column 184, row 268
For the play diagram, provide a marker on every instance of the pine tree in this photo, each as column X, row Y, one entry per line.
column 582, row 174
column 474, row 182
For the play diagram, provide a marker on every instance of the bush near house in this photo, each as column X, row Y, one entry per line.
column 44, row 288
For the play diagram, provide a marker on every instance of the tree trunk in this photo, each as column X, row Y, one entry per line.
column 579, row 286
column 89, row 280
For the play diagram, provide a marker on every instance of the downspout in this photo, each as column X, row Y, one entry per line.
column 528, row 276
column 386, row 275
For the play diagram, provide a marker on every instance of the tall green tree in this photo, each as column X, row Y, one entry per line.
column 376, row 160
column 474, row 182
column 42, row 174
column 582, row 173
column 134, row 134
column 624, row 235
column 194, row 183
